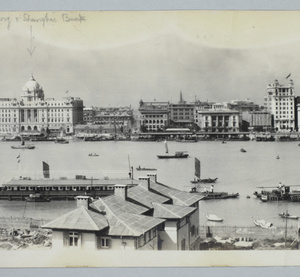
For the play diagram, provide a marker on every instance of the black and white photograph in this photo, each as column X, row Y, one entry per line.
column 149, row 138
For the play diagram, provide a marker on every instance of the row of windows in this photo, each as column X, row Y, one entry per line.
column 57, row 188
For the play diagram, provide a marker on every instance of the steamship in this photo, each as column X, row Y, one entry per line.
column 60, row 189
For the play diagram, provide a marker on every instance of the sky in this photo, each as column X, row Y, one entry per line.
column 116, row 58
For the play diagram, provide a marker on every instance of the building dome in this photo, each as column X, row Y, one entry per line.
column 31, row 85
column 32, row 91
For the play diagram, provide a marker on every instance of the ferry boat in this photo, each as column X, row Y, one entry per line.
column 280, row 193
column 59, row 189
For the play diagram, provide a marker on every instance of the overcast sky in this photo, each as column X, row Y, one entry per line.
column 119, row 58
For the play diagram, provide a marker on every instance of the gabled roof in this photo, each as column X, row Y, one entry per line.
column 79, row 219
column 118, row 205
column 125, row 223
column 168, row 211
column 128, row 224
column 178, row 197
column 145, row 197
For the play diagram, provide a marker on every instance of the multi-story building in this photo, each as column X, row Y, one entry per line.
column 257, row 120
column 217, row 120
column 34, row 115
column 280, row 102
column 182, row 113
column 154, row 116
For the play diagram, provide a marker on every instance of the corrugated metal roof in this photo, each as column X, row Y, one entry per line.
column 79, row 219
column 179, row 197
column 128, row 224
column 118, row 205
column 145, row 197
column 168, row 211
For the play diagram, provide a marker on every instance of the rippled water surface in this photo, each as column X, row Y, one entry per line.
column 236, row 172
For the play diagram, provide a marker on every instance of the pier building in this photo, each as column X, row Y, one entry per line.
column 34, row 114
column 148, row 216
column 280, row 102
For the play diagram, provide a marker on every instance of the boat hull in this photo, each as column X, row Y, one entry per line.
column 173, row 156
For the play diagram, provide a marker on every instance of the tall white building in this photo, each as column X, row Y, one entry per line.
column 34, row 114
column 280, row 102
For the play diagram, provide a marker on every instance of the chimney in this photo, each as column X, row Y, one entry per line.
column 83, row 201
column 144, row 182
column 121, row 191
column 153, row 177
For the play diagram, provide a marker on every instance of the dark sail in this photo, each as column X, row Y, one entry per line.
column 46, row 170
column 197, row 168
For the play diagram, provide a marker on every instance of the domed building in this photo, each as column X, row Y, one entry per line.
column 32, row 91
column 35, row 115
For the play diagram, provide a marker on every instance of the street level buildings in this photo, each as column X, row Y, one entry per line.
column 280, row 102
column 34, row 114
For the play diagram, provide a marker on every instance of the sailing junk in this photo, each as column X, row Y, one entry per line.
column 46, row 170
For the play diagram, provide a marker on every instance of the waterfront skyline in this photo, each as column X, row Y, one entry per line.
column 119, row 58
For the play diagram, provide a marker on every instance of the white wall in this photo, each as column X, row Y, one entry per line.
column 169, row 236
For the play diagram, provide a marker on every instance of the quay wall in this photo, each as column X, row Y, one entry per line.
column 253, row 232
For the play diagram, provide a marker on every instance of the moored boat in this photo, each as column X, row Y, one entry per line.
column 145, row 168
column 93, row 155
column 262, row 223
column 23, row 145
column 288, row 216
column 177, row 155
column 213, row 217
column 37, row 197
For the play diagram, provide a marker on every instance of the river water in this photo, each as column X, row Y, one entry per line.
column 236, row 172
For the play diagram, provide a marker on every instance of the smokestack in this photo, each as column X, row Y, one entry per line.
column 153, row 177
column 121, row 191
column 83, row 201
column 144, row 182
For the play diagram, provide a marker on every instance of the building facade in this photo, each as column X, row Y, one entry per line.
column 217, row 120
column 34, row 114
column 153, row 116
column 280, row 102
column 181, row 113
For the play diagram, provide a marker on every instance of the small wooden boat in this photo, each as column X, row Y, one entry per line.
column 177, row 155
column 262, row 223
column 28, row 146
column 145, row 168
column 288, row 216
column 93, row 155
column 243, row 150
column 61, row 141
column 277, row 157
column 37, row 197
column 212, row 217
column 204, row 181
